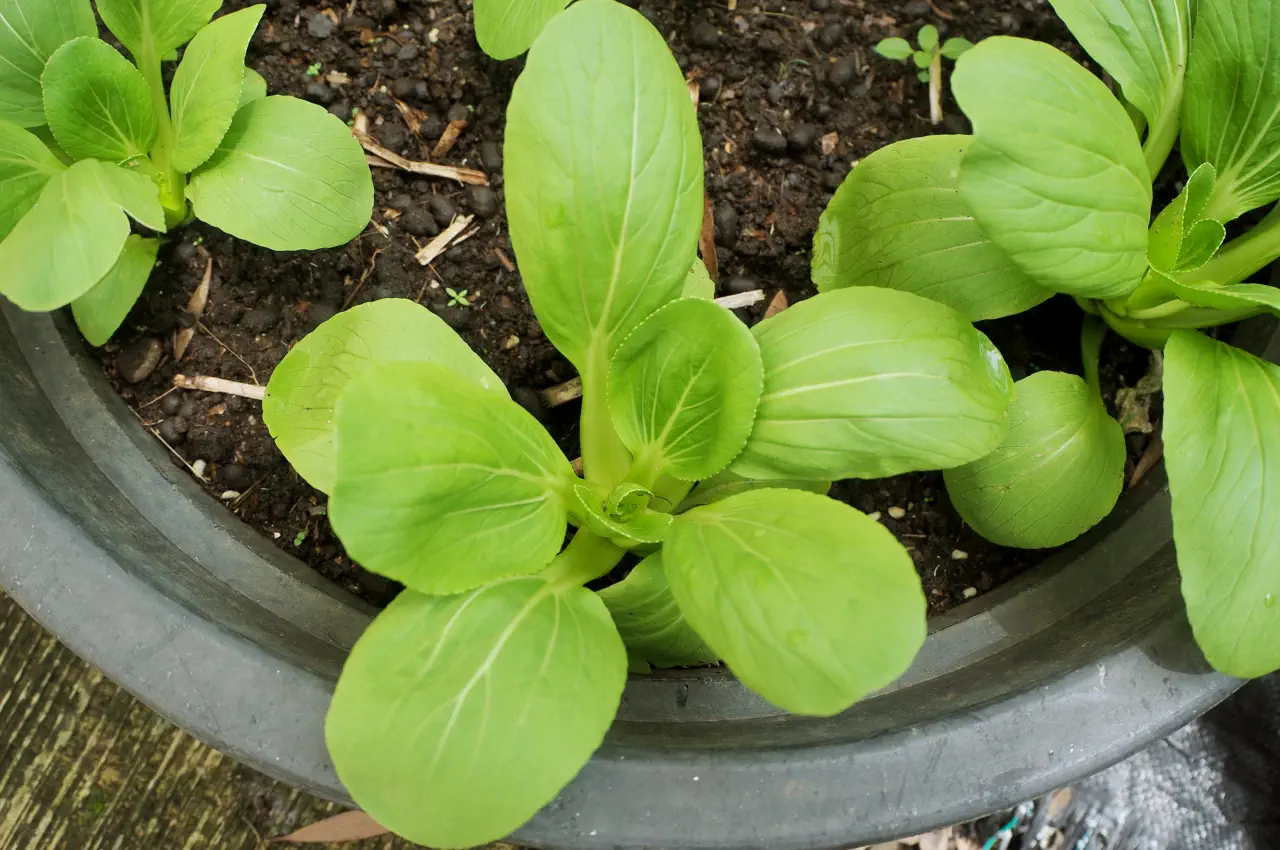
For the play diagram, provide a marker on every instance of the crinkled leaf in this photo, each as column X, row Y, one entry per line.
column 642, row 529
column 98, row 105
column 1229, row 117
column 253, row 87
column 1055, row 175
column 1057, row 473
column 812, row 604
column 208, row 86
column 898, row 221
column 506, row 28
column 1231, row 297
column 305, row 387
column 25, row 167
column 869, row 382
column 729, row 483
column 698, row 283
column 443, row 485
column 1222, row 442
column 155, row 27
column 30, row 32
column 287, row 176
column 100, row 311
column 457, row 718
column 1142, row 43
column 73, row 234
column 649, row 620
column 683, row 388
column 894, row 48
column 604, row 178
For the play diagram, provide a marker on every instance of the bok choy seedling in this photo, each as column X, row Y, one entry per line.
column 484, row 688
column 89, row 140
column 1053, row 194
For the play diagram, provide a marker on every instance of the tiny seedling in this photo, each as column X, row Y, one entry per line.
column 707, row 448
column 928, row 60
column 456, row 298
column 313, row 70
column 90, row 140
column 1053, row 194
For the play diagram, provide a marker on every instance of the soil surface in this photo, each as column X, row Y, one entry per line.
column 791, row 97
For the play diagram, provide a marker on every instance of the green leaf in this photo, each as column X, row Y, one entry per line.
column 922, row 59
column 922, row 76
column 443, row 485
column 898, row 221
column 136, row 193
column 1170, row 243
column 605, row 228
column 30, row 32
column 1141, row 43
column 208, row 86
column 698, row 283
column 98, row 105
column 641, row 528
column 954, row 48
column 155, row 27
column 894, row 48
column 869, row 382
column 927, row 37
column 73, row 234
column 1222, row 441
column 1057, row 473
column 1055, row 175
column 100, row 311
column 812, row 604
column 305, row 387
column 729, row 483
column 287, row 176
column 1231, row 297
column 25, row 167
column 1229, row 119
column 683, row 389
column 506, row 28
column 649, row 620
column 457, row 718
column 254, row 87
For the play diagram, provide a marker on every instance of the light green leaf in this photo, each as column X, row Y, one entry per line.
column 649, row 620
column 898, row 221
column 25, row 167
column 922, row 76
column 1231, row 297
column 812, row 604
column 683, row 389
column 253, row 87
column 30, row 32
column 1057, row 473
column 729, row 483
column 927, row 37
column 1142, row 43
column 629, row 530
column 922, row 58
column 287, row 176
column 1229, row 117
column 457, row 718
column 894, row 48
column 1222, row 441
column 506, row 28
column 1179, row 239
column 443, row 485
column 98, row 105
column 954, row 48
column 155, row 27
column 136, row 193
column 72, row 236
column 306, row 386
column 698, row 283
column 100, row 311
column 208, row 86
column 605, row 228
column 1055, row 175
column 869, row 382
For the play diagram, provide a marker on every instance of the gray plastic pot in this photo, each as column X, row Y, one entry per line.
column 114, row 549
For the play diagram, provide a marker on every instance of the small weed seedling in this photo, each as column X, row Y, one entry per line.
column 706, row 447
column 1053, row 194
column 927, row 59
column 457, row 299
column 89, row 140
column 313, row 70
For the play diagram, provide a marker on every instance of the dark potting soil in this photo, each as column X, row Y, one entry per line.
column 792, row 95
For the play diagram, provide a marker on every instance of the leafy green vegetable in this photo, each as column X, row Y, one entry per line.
column 97, row 103
column 1181, row 239
column 868, row 382
column 1055, row 175
column 650, row 622
column 698, row 283
column 1231, row 297
column 506, row 28
column 101, row 310
column 25, row 167
column 254, row 87
column 1057, row 473
column 30, row 32
column 728, row 483
column 458, row 717
column 1222, row 409
column 898, row 221
column 154, row 28
column 810, row 602
column 627, row 527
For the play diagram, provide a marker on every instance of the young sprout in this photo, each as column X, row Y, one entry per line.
column 313, row 70
column 457, row 298
column 928, row 60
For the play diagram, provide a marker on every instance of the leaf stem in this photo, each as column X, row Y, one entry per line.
column 1243, row 255
column 1092, row 333
column 935, row 88
column 605, row 460
column 172, row 183
column 1162, row 135
column 586, row 558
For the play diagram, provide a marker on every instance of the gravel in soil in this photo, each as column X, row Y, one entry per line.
column 791, row 97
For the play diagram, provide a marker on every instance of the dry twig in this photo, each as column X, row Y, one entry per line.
column 428, row 169
column 208, row 384
column 449, row 137
column 441, row 242
column 195, row 308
